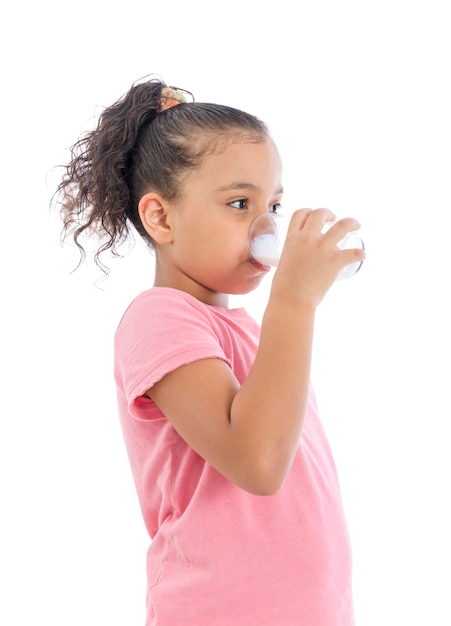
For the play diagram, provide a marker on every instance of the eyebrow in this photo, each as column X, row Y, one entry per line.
column 243, row 185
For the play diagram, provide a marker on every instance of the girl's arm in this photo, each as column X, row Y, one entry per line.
column 250, row 433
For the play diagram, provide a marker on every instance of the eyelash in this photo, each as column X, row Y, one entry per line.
column 243, row 202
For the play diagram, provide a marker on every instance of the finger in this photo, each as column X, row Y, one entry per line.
column 299, row 218
column 318, row 218
column 340, row 229
column 352, row 255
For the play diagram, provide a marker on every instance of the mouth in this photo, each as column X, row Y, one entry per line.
column 259, row 266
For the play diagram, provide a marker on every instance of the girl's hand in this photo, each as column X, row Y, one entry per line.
column 310, row 260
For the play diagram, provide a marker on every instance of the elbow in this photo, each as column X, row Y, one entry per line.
column 265, row 478
column 264, row 489
column 263, row 486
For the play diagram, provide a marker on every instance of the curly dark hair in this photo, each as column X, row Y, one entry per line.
column 136, row 148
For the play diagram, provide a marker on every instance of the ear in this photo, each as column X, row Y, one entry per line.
column 154, row 213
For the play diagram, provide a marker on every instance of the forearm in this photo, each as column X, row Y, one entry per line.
column 267, row 412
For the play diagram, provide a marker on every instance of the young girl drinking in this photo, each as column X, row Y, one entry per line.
column 236, row 482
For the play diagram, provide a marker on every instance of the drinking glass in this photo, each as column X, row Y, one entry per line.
column 266, row 242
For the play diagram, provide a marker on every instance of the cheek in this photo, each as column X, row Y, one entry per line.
column 200, row 245
column 216, row 240
column 229, row 246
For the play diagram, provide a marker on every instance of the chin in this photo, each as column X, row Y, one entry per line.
column 250, row 286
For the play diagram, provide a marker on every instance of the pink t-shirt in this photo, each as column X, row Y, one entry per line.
column 220, row 556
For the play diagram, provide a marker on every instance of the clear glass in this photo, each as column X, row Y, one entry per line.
column 266, row 242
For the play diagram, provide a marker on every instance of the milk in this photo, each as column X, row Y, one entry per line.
column 265, row 249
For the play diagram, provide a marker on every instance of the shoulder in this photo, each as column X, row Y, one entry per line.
column 163, row 321
column 166, row 308
column 161, row 330
column 160, row 299
column 160, row 308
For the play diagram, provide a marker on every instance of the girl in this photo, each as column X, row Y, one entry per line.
column 234, row 475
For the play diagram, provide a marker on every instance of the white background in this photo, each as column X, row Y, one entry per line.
column 358, row 98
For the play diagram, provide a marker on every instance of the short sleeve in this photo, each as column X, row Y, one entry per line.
column 161, row 330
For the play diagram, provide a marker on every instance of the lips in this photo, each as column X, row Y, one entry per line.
column 260, row 266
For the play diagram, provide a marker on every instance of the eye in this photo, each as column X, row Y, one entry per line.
column 239, row 204
column 275, row 208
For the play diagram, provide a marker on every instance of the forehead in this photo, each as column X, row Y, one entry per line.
column 242, row 157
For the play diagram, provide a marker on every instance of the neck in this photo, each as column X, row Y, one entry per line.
column 207, row 297
column 198, row 291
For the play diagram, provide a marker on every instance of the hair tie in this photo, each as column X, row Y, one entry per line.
column 170, row 97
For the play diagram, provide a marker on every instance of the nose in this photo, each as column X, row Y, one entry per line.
column 264, row 224
column 263, row 211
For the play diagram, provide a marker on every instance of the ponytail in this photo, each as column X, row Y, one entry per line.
column 94, row 193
